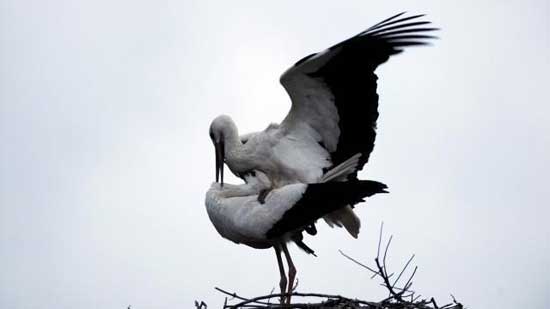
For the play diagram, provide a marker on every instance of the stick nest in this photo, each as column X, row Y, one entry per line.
column 400, row 292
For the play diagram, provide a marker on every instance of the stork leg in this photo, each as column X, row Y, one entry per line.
column 291, row 272
column 283, row 282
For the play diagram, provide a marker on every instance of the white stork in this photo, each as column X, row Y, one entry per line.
column 238, row 215
column 333, row 114
column 331, row 123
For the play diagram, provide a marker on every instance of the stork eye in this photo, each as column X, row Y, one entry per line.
column 211, row 135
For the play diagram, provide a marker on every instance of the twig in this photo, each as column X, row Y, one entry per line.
column 385, row 253
column 410, row 278
column 234, row 295
column 387, row 281
column 380, row 239
column 359, row 263
column 434, row 303
column 402, row 271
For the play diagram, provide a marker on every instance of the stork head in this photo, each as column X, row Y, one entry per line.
column 221, row 128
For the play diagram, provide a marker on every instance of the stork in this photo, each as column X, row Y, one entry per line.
column 333, row 113
column 238, row 216
column 332, row 118
column 330, row 128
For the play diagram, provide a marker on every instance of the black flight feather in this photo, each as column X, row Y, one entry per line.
column 320, row 199
column 349, row 75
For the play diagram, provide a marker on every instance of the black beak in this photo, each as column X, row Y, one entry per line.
column 220, row 157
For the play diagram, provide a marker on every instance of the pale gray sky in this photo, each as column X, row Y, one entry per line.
column 105, row 156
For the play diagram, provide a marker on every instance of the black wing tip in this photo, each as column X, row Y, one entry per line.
column 407, row 23
column 413, row 37
column 392, row 29
column 385, row 21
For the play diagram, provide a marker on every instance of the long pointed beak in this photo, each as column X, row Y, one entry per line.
column 220, row 157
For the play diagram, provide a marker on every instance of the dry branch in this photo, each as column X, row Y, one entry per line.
column 399, row 297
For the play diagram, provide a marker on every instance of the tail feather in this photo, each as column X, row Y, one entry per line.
column 343, row 217
column 332, row 220
column 351, row 222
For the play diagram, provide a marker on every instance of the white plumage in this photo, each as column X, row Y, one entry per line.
column 238, row 216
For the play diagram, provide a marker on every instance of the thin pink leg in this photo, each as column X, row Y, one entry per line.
column 283, row 282
column 291, row 272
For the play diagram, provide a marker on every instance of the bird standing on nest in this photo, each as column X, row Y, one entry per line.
column 329, row 132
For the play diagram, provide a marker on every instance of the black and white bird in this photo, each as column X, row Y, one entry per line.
column 238, row 215
column 327, row 136
column 333, row 114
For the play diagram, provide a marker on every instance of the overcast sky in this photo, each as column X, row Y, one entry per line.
column 105, row 155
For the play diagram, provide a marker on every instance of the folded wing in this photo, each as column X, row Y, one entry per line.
column 321, row 199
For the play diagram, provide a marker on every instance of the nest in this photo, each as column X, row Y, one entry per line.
column 400, row 292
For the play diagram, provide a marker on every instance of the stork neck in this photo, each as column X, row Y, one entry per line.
column 232, row 141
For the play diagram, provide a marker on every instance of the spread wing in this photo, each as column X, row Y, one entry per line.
column 333, row 92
